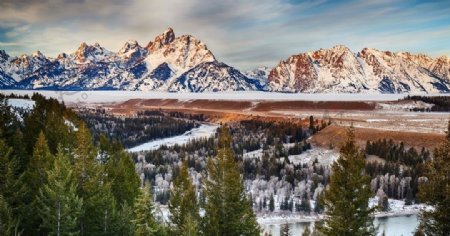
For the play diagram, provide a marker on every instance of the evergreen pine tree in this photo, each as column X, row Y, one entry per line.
column 306, row 232
column 346, row 199
column 59, row 205
column 34, row 178
column 227, row 209
column 271, row 203
column 144, row 222
column 10, row 192
column 305, row 204
column 383, row 203
column 183, row 205
column 120, row 171
column 318, row 207
column 436, row 191
column 285, row 230
column 93, row 187
column 123, row 225
column 8, row 225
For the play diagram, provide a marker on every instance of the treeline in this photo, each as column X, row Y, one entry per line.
column 399, row 173
column 13, row 95
column 144, row 127
column 440, row 103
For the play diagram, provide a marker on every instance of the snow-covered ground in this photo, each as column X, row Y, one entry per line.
column 324, row 156
column 204, row 131
column 120, row 96
column 25, row 104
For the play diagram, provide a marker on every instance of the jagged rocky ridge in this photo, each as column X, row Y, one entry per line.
column 185, row 64
column 338, row 70
column 168, row 63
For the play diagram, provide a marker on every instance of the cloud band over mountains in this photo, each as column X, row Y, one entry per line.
column 245, row 33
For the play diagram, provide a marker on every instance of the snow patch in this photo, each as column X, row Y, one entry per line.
column 204, row 131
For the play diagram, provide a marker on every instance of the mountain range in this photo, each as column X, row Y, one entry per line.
column 185, row 64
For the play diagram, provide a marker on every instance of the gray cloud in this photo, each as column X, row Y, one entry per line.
column 242, row 33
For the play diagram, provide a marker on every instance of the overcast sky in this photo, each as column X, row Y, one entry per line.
column 241, row 33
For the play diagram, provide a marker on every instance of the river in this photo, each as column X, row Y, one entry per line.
column 392, row 226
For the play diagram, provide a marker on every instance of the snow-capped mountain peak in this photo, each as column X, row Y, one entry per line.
column 91, row 53
column 175, row 56
column 131, row 51
column 339, row 70
column 161, row 40
column 184, row 63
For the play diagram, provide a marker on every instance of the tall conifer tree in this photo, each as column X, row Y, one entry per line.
column 34, row 178
column 92, row 186
column 183, row 205
column 436, row 191
column 59, row 205
column 227, row 209
column 346, row 198
column 144, row 222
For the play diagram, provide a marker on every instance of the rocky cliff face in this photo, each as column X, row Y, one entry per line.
column 339, row 70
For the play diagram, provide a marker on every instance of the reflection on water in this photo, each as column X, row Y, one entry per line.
column 392, row 226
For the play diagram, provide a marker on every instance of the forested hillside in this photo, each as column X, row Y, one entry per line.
column 55, row 180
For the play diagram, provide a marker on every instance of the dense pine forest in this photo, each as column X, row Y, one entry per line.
column 143, row 127
column 440, row 103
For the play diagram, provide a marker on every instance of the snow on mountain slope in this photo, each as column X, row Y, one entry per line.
column 184, row 63
column 179, row 54
column 91, row 67
column 261, row 74
column 213, row 77
column 338, row 70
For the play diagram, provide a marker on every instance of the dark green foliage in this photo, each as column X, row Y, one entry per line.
column 30, row 184
column 58, row 204
column 383, row 203
column 396, row 156
column 436, row 191
column 144, row 221
column 33, row 179
column 346, row 198
column 227, row 208
column 118, row 168
column 440, row 103
column 271, row 203
column 306, row 232
column 183, row 205
column 144, row 127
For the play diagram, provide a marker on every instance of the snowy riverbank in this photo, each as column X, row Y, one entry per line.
column 203, row 131
column 397, row 208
